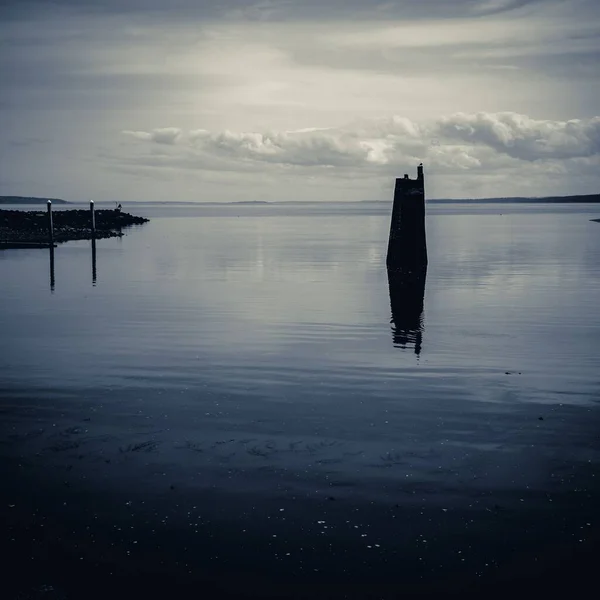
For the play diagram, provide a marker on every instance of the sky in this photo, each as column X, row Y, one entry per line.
column 318, row 100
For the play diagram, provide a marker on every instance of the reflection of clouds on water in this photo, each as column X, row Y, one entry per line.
column 274, row 286
column 310, row 289
column 296, row 265
column 321, row 265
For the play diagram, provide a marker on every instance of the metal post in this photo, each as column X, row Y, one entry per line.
column 50, row 226
column 93, row 217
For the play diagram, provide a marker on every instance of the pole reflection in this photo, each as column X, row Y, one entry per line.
column 52, row 281
column 407, row 292
column 93, row 261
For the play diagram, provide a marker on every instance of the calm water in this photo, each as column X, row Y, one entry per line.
column 251, row 353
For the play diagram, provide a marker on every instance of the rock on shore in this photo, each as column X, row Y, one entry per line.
column 32, row 226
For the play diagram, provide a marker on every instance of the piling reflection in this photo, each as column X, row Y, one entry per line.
column 93, row 261
column 407, row 292
column 94, row 269
column 51, row 267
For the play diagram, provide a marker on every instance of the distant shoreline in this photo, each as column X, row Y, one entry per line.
column 587, row 199
column 29, row 200
column 578, row 199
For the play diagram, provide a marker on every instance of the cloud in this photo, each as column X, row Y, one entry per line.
column 308, row 149
column 251, row 94
column 368, row 143
column 296, row 68
column 459, row 141
column 496, row 6
column 524, row 138
column 163, row 135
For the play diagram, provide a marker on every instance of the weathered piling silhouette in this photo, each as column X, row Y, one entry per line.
column 93, row 228
column 92, row 219
column 407, row 246
column 407, row 261
column 50, row 224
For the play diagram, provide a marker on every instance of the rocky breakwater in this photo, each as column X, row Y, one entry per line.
column 19, row 227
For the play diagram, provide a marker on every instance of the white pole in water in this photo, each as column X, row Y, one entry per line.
column 50, row 226
column 93, row 216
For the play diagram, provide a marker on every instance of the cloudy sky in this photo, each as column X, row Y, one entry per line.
column 229, row 100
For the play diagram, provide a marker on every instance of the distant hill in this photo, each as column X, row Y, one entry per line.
column 29, row 200
column 588, row 198
column 249, row 202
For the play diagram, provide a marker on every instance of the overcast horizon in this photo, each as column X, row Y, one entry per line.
column 297, row 100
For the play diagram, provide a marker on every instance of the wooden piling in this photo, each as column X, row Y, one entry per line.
column 93, row 217
column 407, row 246
column 50, row 225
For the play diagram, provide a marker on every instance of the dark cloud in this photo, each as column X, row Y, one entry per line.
column 273, row 9
column 110, row 65
column 63, row 75
column 581, row 66
column 561, row 59
column 68, row 59
column 28, row 142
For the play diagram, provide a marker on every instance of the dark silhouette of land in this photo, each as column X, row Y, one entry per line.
column 19, row 228
column 582, row 199
column 586, row 198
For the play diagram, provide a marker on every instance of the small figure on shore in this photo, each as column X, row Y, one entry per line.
column 118, row 209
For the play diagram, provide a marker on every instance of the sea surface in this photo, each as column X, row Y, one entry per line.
column 237, row 397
